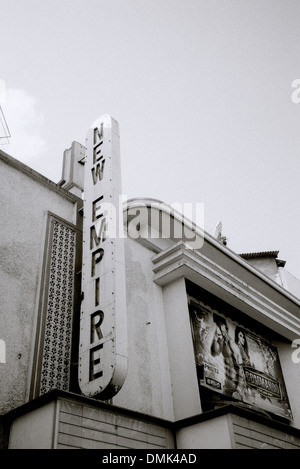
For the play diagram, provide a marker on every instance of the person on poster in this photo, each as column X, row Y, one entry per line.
column 241, row 342
column 244, row 360
column 200, row 329
column 223, row 344
column 269, row 360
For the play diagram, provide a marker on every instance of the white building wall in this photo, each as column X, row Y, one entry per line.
column 291, row 375
column 181, row 352
column 289, row 282
column 26, row 199
column 147, row 386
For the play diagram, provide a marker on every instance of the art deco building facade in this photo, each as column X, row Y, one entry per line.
column 124, row 325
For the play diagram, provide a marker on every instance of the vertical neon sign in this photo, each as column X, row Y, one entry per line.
column 103, row 321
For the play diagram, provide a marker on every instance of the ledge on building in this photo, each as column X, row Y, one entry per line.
column 227, row 427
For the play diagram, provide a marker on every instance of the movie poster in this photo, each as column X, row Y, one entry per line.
column 236, row 362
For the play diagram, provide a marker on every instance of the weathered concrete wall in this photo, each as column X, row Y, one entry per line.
column 186, row 399
column 291, row 283
column 212, row 434
column 291, row 375
column 86, row 427
column 147, row 386
column 231, row 431
column 65, row 423
column 248, row 434
column 35, row 430
column 26, row 198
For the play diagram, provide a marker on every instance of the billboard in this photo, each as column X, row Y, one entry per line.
column 236, row 361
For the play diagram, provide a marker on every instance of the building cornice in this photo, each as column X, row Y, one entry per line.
column 178, row 261
column 156, row 245
column 31, row 173
column 174, row 426
column 220, row 271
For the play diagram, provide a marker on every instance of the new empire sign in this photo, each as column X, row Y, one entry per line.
column 103, row 321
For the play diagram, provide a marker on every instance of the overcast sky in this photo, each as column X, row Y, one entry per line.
column 202, row 91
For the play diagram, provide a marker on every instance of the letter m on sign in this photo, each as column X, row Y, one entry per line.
column 95, row 236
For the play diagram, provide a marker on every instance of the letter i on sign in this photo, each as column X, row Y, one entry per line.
column 103, row 318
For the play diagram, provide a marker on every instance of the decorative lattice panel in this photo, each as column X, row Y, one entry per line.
column 55, row 371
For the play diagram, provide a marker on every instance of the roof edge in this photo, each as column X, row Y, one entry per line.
column 22, row 167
